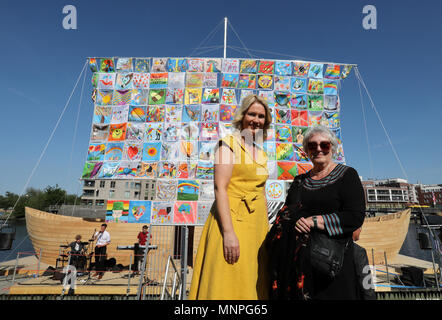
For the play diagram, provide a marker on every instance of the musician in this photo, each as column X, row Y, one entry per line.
column 103, row 240
column 142, row 241
column 77, row 252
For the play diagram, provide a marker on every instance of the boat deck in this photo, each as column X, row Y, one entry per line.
column 113, row 283
column 117, row 283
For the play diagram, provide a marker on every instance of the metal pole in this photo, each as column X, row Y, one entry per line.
column 165, row 278
column 374, row 266
column 15, row 267
column 184, row 248
column 386, row 265
column 143, row 267
column 434, row 269
column 225, row 36
column 38, row 266
column 130, row 271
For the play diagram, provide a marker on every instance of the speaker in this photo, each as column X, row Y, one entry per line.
column 110, row 263
column 424, row 241
column 49, row 272
column 412, row 276
column 58, row 275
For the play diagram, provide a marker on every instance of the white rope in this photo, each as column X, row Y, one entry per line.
column 233, row 29
column 301, row 59
column 76, row 196
column 74, row 137
column 359, row 76
column 281, row 54
column 242, row 51
column 366, row 131
column 46, row 146
column 208, row 50
column 211, row 33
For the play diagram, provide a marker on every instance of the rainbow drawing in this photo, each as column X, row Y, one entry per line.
column 188, row 190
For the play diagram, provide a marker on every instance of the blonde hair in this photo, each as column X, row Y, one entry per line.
column 245, row 105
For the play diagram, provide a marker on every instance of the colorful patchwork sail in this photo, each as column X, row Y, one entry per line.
column 160, row 118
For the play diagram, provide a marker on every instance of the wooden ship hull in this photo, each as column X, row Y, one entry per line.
column 381, row 236
column 48, row 231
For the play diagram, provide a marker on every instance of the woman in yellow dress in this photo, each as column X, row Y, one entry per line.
column 231, row 259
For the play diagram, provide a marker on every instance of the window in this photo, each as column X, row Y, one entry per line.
column 89, row 183
column 137, row 194
column 99, row 203
column 111, row 194
column 138, row 186
column 126, row 194
column 88, row 193
column 102, row 184
column 97, row 192
column 112, row 184
column 371, row 191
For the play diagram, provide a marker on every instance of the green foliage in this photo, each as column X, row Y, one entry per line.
column 37, row 199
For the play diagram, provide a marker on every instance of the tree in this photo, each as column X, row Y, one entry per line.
column 37, row 199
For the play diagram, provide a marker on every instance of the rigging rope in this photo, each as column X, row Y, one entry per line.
column 47, row 144
column 366, row 131
column 242, row 51
column 280, row 54
column 361, row 81
column 211, row 33
column 359, row 76
column 208, row 50
column 233, row 29
column 75, row 132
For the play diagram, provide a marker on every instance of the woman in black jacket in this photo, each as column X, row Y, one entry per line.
column 328, row 199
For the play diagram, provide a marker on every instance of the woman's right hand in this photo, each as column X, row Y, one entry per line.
column 231, row 247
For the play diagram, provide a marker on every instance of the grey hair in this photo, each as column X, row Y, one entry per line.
column 323, row 131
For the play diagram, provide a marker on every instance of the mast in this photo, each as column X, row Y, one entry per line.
column 225, row 36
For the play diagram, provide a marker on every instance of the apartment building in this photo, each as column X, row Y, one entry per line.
column 97, row 192
column 430, row 194
column 389, row 194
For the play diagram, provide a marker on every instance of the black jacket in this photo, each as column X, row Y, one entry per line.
column 364, row 278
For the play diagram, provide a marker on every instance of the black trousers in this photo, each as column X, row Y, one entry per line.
column 139, row 255
column 100, row 259
column 78, row 260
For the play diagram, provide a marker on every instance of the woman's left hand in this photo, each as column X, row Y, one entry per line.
column 303, row 225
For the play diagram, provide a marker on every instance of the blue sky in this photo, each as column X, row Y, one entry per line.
column 399, row 62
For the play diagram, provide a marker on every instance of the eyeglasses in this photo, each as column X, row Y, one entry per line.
column 325, row 146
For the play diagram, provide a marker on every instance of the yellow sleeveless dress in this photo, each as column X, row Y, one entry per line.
column 213, row 278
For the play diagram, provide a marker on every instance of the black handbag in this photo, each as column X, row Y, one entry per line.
column 326, row 253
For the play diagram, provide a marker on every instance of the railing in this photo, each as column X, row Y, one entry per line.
column 175, row 285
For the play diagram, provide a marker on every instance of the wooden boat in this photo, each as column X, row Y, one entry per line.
column 383, row 234
column 49, row 231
